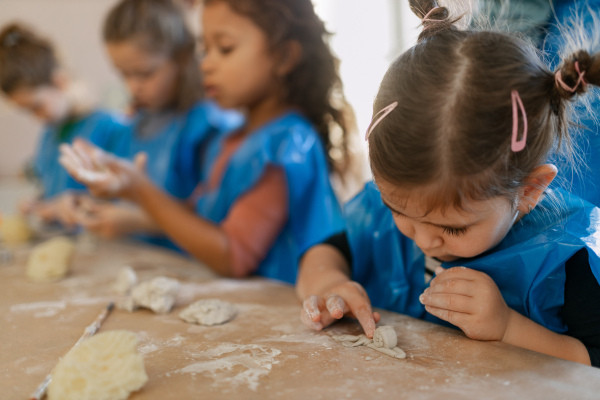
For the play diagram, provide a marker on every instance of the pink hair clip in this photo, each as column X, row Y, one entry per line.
column 385, row 111
column 580, row 80
column 515, row 144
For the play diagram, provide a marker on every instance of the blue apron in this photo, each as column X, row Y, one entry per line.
column 289, row 142
column 585, row 183
column 98, row 127
column 528, row 265
column 175, row 152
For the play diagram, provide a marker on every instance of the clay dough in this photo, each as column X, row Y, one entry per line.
column 126, row 279
column 158, row 295
column 50, row 260
column 15, row 229
column 384, row 341
column 208, row 312
column 103, row 367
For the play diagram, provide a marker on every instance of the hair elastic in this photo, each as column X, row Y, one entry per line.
column 385, row 111
column 518, row 145
column 580, row 80
column 426, row 17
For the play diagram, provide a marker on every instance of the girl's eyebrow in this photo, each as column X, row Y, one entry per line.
column 429, row 223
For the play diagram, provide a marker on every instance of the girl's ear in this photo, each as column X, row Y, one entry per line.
column 535, row 185
column 288, row 57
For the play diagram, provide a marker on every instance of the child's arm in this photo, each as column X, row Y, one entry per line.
column 471, row 300
column 328, row 294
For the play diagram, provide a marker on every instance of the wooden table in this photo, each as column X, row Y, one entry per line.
column 265, row 352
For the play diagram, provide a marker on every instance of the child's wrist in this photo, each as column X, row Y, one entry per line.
column 511, row 324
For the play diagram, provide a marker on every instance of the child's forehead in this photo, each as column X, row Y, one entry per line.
column 434, row 200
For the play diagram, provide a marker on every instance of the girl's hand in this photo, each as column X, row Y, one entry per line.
column 104, row 174
column 348, row 298
column 108, row 220
column 470, row 300
column 62, row 208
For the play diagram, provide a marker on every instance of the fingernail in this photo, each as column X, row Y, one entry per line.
column 422, row 299
column 439, row 270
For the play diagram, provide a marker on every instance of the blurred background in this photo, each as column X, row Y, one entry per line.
column 368, row 34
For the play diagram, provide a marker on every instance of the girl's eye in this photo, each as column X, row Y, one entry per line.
column 455, row 231
column 226, row 49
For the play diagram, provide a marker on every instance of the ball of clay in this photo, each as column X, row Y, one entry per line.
column 208, row 312
column 158, row 294
column 50, row 261
column 103, row 367
column 15, row 229
column 385, row 336
column 126, row 279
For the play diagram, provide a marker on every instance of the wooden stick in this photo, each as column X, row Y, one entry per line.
column 40, row 392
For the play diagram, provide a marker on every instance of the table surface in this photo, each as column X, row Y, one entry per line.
column 265, row 352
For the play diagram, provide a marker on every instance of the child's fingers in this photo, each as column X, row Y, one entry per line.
column 452, row 302
column 376, row 317
column 336, row 306
column 311, row 307
column 454, row 317
column 361, row 309
column 451, row 286
column 317, row 326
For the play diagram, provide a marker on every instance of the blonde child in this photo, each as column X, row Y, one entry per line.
column 154, row 50
column 464, row 123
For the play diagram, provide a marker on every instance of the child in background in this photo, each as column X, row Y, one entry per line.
column 32, row 78
column 151, row 46
column 458, row 146
column 265, row 194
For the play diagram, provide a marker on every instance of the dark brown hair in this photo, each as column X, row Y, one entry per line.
column 26, row 59
column 159, row 27
column 314, row 85
column 452, row 127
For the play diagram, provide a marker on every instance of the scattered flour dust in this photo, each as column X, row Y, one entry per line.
column 256, row 360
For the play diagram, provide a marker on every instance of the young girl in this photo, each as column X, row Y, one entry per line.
column 265, row 195
column 458, row 148
column 32, row 78
column 151, row 46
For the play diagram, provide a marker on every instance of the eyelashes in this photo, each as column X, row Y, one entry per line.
column 447, row 231
column 455, row 231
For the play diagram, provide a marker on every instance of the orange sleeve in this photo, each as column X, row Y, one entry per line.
column 255, row 221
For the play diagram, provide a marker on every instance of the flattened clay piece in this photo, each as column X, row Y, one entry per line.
column 384, row 341
column 50, row 261
column 126, row 279
column 345, row 338
column 208, row 312
column 158, row 295
column 385, row 336
column 103, row 367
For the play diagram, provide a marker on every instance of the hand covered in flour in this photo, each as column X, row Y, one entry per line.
column 468, row 299
column 104, row 174
column 61, row 208
column 344, row 299
column 110, row 220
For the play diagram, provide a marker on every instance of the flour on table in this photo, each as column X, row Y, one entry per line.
column 209, row 312
column 384, row 341
column 103, row 367
column 158, row 294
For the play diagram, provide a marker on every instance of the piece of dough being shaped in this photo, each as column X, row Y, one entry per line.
column 15, row 229
column 50, row 261
column 158, row 294
column 208, row 312
column 385, row 336
column 126, row 280
column 103, row 367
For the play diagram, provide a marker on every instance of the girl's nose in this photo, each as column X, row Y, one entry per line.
column 427, row 239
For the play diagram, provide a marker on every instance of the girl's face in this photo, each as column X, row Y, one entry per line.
column 48, row 103
column 238, row 68
column 450, row 234
column 150, row 78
